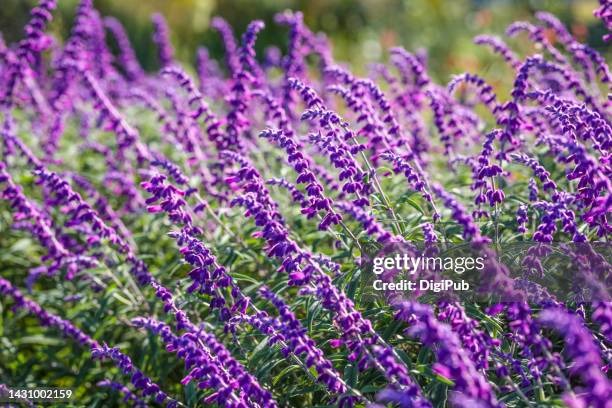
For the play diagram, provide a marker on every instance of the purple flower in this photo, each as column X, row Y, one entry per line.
column 308, row 95
column 451, row 356
column 161, row 38
column 275, row 112
column 208, row 276
column 293, row 63
column 245, row 77
column 102, row 206
column 332, row 143
column 408, row 99
column 429, row 234
column 227, row 34
column 557, row 210
column 137, row 378
column 97, row 351
column 169, row 197
column 485, row 91
column 24, row 209
column 604, row 12
column 296, row 195
column 370, row 225
column 77, row 55
column 127, row 56
column 373, row 128
column 585, row 356
column 196, row 100
column 576, row 120
column 471, row 231
column 375, row 93
column 172, row 169
column 536, row 34
column 250, row 66
column 499, row 47
column 538, row 171
column 299, row 343
column 478, row 342
column 419, row 71
column 602, row 315
column 210, row 366
column 36, row 40
column 128, row 395
column 78, row 209
column 341, row 157
column 46, row 319
column 126, row 134
column 448, row 119
column 533, row 190
column 583, row 55
column 415, row 178
column 209, row 75
column 361, row 97
column 251, row 182
column 316, row 200
column 303, row 270
column 522, row 218
column 555, row 124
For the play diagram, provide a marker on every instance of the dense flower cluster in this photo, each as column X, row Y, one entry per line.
column 231, row 216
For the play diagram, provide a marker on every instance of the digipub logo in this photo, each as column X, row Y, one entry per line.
column 535, row 272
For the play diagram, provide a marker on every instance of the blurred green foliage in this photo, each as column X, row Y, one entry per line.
column 360, row 30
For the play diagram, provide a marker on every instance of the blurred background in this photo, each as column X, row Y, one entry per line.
column 361, row 30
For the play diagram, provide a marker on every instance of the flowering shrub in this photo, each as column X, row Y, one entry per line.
column 179, row 240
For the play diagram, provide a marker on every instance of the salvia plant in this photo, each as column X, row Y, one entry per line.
column 191, row 239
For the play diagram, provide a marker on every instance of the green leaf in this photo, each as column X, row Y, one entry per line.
column 284, row 372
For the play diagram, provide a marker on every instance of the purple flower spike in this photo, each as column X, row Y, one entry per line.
column 604, row 12
column 137, row 378
column 369, row 223
column 300, row 344
column 80, row 211
column 452, row 359
column 36, row 40
column 126, row 134
column 161, row 38
column 536, row 34
column 499, row 47
column 128, row 395
column 243, row 79
column 522, row 218
column 414, row 178
column 169, row 197
column 196, row 99
column 585, row 355
column 247, row 52
column 293, row 63
column 127, row 56
column 316, row 201
column 29, row 217
column 296, row 195
column 485, row 91
column 429, row 233
column 231, row 48
column 47, row 319
column 98, row 351
column 533, row 190
column 421, row 79
column 471, row 231
column 538, row 171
